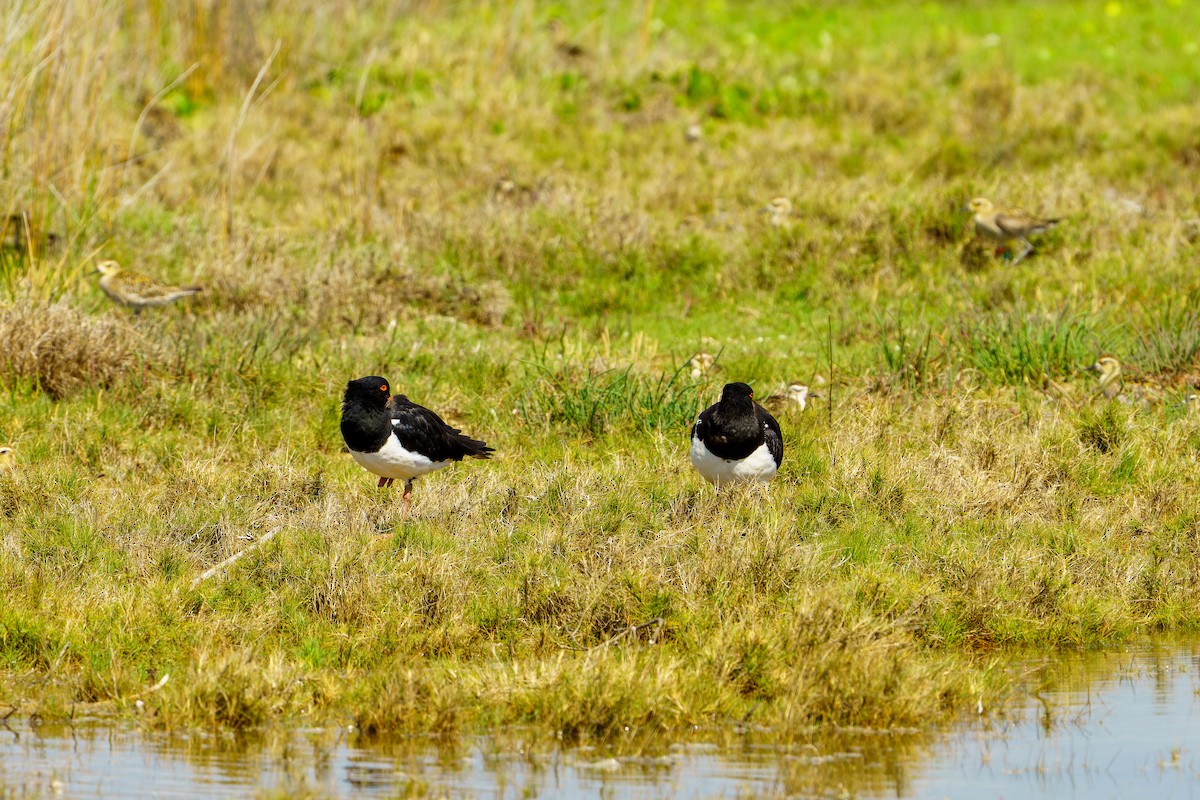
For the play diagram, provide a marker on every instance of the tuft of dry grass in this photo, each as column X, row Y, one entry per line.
column 61, row 351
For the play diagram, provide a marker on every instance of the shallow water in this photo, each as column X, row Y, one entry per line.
column 1115, row 724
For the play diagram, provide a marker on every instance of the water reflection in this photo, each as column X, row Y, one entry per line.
column 1113, row 724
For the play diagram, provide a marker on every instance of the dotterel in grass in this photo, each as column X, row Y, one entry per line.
column 506, row 189
column 1109, row 371
column 136, row 290
column 736, row 440
column 779, row 212
column 795, row 397
column 1008, row 224
column 1113, row 385
column 393, row 437
column 701, row 364
column 8, row 459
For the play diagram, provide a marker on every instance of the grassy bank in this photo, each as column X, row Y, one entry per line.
column 531, row 227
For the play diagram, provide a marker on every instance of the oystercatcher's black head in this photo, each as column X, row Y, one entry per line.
column 368, row 392
column 736, row 391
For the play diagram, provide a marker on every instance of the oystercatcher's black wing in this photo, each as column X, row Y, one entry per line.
column 422, row 431
column 772, row 434
column 731, row 439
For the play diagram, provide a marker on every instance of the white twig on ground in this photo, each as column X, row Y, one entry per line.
column 128, row 698
column 208, row 573
column 161, row 683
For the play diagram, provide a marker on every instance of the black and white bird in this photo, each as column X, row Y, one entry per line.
column 394, row 437
column 736, row 440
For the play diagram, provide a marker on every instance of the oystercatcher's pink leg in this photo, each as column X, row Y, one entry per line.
column 407, row 495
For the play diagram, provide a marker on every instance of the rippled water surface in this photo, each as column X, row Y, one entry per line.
column 1117, row 724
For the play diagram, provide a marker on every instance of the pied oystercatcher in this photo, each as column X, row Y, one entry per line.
column 394, row 437
column 736, row 439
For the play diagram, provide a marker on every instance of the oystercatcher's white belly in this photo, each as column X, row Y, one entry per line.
column 394, row 460
column 758, row 466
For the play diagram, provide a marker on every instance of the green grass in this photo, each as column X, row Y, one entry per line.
column 526, row 241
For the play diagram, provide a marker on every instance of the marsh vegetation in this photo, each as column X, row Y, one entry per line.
column 531, row 223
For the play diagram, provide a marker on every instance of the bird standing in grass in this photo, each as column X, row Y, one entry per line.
column 8, row 459
column 136, row 290
column 1113, row 385
column 796, row 397
column 736, row 440
column 701, row 364
column 779, row 212
column 394, row 437
column 1008, row 224
column 1109, row 371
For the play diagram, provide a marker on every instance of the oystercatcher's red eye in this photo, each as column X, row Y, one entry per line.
column 383, row 388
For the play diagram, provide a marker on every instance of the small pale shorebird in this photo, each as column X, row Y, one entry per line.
column 736, row 440
column 701, row 364
column 394, row 437
column 8, row 459
column 508, row 190
column 1109, row 371
column 796, row 397
column 136, row 290
column 779, row 212
column 1113, row 385
column 1008, row 224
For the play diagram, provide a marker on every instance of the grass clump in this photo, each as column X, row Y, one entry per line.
column 1104, row 430
column 238, row 691
column 592, row 403
column 1021, row 349
column 59, row 350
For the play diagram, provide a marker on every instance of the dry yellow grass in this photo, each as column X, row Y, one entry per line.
column 61, row 351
